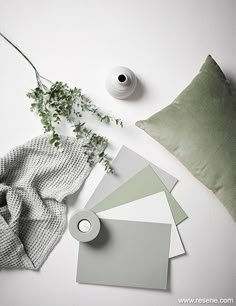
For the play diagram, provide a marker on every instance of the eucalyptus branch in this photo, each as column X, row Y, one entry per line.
column 60, row 101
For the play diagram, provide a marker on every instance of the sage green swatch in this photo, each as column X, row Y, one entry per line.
column 199, row 128
column 126, row 253
column 141, row 185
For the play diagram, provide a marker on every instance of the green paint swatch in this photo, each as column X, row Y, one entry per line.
column 127, row 254
column 141, row 185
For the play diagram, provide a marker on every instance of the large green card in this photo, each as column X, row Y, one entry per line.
column 141, row 185
column 127, row 254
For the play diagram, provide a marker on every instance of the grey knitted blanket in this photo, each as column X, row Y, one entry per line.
column 34, row 180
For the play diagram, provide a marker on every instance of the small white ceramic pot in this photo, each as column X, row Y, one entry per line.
column 121, row 82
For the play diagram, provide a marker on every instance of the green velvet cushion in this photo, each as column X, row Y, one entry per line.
column 199, row 128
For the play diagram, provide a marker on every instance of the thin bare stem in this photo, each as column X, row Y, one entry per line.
column 38, row 76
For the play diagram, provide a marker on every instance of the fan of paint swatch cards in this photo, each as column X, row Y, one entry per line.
column 128, row 229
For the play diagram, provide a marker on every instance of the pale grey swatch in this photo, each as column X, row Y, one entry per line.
column 127, row 254
column 126, row 164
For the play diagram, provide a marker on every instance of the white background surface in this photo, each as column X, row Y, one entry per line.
column 165, row 43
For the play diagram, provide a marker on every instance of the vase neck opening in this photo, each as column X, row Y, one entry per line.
column 122, row 78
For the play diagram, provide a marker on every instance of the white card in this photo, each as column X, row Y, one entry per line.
column 154, row 208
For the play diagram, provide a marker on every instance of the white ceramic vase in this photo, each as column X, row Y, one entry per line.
column 121, row 82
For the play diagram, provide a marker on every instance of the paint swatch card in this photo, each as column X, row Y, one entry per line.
column 141, row 185
column 126, row 164
column 127, row 254
column 153, row 208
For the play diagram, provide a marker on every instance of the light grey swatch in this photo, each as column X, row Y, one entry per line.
column 127, row 254
column 126, row 164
